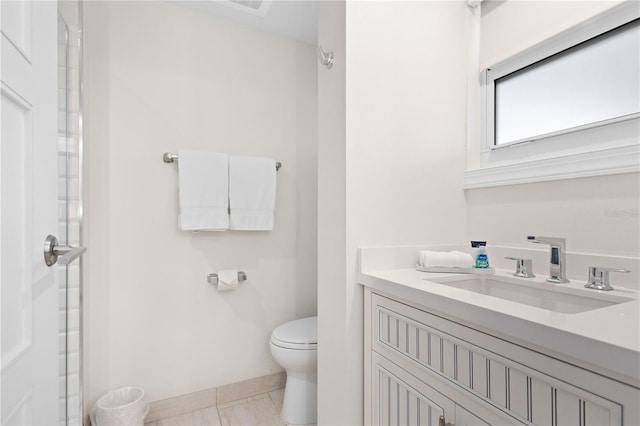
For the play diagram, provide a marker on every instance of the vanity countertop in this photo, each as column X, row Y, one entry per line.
column 605, row 340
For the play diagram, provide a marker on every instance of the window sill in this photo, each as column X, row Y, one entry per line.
column 609, row 161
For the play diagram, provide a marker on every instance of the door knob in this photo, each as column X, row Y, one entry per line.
column 53, row 250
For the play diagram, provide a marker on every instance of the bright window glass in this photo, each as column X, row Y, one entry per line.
column 594, row 82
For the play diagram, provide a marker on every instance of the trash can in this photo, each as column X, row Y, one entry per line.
column 120, row 407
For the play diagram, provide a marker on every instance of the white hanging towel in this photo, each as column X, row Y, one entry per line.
column 252, row 193
column 204, row 191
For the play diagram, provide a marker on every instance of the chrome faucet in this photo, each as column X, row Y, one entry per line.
column 557, row 270
column 599, row 277
column 524, row 267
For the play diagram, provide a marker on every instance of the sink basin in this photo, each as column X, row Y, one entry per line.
column 560, row 299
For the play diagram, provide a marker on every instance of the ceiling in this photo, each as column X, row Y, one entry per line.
column 296, row 19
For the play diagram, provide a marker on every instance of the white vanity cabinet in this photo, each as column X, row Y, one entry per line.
column 420, row 366
column 402, row 399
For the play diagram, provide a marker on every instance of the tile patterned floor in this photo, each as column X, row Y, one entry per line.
column 263, row 410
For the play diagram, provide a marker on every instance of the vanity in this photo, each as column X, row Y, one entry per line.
column 466, row 349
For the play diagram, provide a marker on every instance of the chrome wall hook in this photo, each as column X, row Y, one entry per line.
column 325, row 58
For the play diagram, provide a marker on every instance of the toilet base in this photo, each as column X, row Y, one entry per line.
column 300, row 398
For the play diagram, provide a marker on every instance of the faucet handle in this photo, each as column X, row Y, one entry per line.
column 599, row 277
column 524, row 267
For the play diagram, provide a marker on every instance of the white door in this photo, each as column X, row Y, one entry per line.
column 28, row 212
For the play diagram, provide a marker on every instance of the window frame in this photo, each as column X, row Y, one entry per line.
column 606, row 147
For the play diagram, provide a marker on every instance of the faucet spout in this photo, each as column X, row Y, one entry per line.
column 557, row 267
column 546, row 240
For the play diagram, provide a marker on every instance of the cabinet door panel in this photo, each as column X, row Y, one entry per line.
column 424, row 349
column 541, row 395
column 383, row 326
column 567, row 408
column 479, row 373
column 498, row 383
column 595, row 415
column 448, row 358
column 436, row 348
column 428, row 414
column 414, row 403
column 518, row 393
column 403, row 334
column 393, row 331
column 394, row 390
column 403, row 405
column 465, row 418
column 463, row 365
column 398, row 398
column 380, row 398
column 412, row 340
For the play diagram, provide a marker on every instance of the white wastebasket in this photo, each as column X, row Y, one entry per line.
column 120, row 407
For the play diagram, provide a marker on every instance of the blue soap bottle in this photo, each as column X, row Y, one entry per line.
column 482, row 260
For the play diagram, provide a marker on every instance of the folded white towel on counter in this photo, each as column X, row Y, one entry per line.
column 452, row 259
column 204, row 191
column 252, row 193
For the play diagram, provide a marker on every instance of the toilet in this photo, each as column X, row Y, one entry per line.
column 294, row 346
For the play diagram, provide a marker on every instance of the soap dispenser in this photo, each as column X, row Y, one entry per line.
column 482, row 260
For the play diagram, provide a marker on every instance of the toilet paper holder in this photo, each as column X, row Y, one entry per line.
column 213, row 278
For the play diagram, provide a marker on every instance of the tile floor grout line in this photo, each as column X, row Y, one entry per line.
column 219, row 410
column 218, row 414
column 275, row 405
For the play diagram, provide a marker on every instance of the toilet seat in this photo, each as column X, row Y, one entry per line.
column 295, row 346
column 300, row 334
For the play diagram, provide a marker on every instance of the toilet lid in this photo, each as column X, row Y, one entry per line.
column 302, row 332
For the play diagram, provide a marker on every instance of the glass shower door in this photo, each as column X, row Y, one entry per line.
column 70, row 220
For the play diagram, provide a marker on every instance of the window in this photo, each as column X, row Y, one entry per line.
column 587, row 85
column 567, row 107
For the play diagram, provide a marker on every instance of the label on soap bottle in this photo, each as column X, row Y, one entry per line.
column 482, row 261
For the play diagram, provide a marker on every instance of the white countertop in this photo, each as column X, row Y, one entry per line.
column 605, row 340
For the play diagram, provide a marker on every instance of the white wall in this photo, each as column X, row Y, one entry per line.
column 400, row 155
column 510, row 26
column 337, row 377
column 160, row 77
column 597, row 214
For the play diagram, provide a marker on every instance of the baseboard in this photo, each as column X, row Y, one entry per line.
column 182, row 404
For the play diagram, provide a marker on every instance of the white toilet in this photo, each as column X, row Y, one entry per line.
column 294, row 346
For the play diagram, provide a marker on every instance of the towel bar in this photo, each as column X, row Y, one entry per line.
column 169, row 157
column 213, row 278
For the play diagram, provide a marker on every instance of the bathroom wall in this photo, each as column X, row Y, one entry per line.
column 399, row 153
column 161, row 77
column 511, row 26
column 338, row 353
column 596, row 214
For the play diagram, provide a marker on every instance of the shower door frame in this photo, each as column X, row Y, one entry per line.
column 78, row 414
